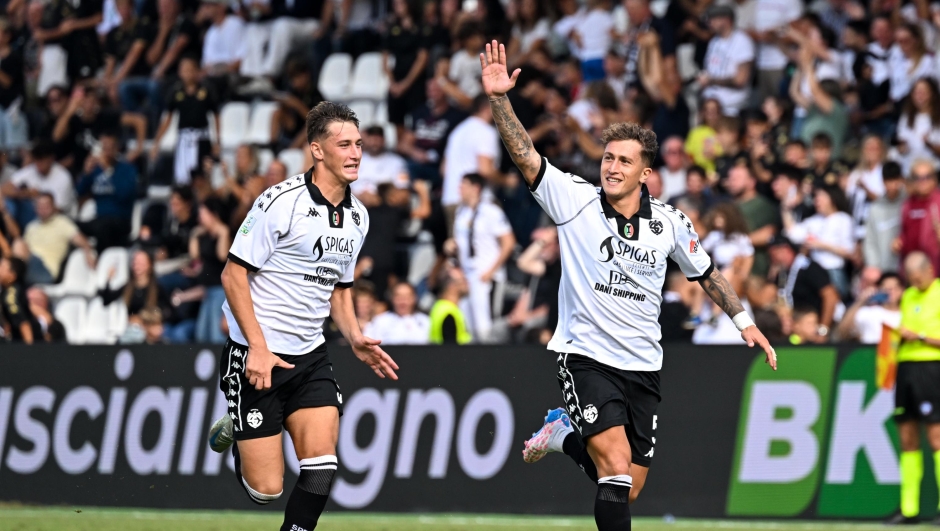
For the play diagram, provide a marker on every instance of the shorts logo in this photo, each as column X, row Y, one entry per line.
column 656, row 227
column 590, row 413
column 247, row 225
column 926, row 408
column 339, row 398
column 693, row 246
column 255, row 418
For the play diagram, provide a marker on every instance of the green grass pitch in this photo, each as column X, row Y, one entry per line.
column 97, row 519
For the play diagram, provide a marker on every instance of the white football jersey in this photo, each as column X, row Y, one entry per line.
column 613, row 269
column 296, row 247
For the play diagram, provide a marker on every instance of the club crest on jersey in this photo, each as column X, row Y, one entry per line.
column 355, row 216
column 255, row 418
column 656, row 227
column 693, row 246
column 590, row 413
column 628, row 230
column 334, row 219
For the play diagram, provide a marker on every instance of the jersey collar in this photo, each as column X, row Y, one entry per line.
column 645, row 212
column 317, row 195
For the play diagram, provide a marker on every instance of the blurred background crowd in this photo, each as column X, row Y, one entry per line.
column 802, row 140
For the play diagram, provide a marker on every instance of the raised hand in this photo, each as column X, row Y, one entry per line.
column 496, row 79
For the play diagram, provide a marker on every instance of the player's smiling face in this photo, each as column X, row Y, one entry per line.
column 340, row 151
column 623, row 169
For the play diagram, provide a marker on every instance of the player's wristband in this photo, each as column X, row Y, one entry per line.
column 742, row 321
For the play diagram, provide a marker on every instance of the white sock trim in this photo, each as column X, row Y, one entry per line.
column 324, row 462
column 258, row 497
column 623, row 480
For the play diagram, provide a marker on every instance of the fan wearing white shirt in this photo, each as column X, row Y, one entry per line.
column 771, row 19
column 44, row 175
column 875, row 308
column 908, row 61
column 592, row 37
column 919, row 126
column 403, row 325
column 728, row 62
column 865, row 183
column 378, row 166
column 473, row 147
column 829, row 234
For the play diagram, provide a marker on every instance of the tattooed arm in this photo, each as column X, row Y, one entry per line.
column 496, row 83
column 720, row 291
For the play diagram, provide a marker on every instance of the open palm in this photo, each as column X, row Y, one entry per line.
column 496, row 79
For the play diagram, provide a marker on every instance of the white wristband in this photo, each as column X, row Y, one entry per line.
column 742, row 321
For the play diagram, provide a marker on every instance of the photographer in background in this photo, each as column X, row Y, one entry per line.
column 874, row 307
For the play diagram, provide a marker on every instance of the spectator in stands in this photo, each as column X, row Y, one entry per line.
column 376, row 167
column 44, row 174
column 697, row 192
column 13, row 128
column 223, row 47
column 430, row 125
column 727, row 241
column 825, row 111
column 787, row 187
column 675, row 310
column 403, row 324
column 536, row 309
column 874, row 98
column 908, row 60
column 85, row 120
column 208, row 246
column 920, row 215
column 530, row 32
column 243, row 185
column 125, row 48
column 272, row 30
column 728, row 62
column 918, row 130
column 729, row 140
column 404, row 41
column 828, row 234
column 661, row 82
column 22, row 326
column 46, row 241
column 759, row 214
column 460, row 77
column 287, row 124
column 660, row 34
column 151, row 320
column 772, row 18
column 51, row 330
column 702, row 143
column 142, row 292
column 364, row 302
column 484, row 241
column 865, row 183
column 193, row 100
column 112, row 183
column 447, row 321
column 276, row 174
column 9, row 230
column 806, row 327
column 177, row 36
column 169, row 236
column 883, row 222
column 803, row 283
column 591, row 38
column 473, row 147
column 874, row 309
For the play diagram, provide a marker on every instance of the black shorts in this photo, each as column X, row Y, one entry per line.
column 917, row 393
column 262, row 413
column 599, row 397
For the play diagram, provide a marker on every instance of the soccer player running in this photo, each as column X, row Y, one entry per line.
column 614, row 244
column 290, row 266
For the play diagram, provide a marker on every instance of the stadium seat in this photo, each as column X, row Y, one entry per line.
column 171, row 137
column 391, row 136
column 381, row 113
column 137, row 217
column 369, row 80
column 265, row 157
column 71, row 311
column 118, row 259
column 87, row 211
column 234, row 124
column 365, row 111
column 259, row 129
column 96, row 324
column 293, row 159
column 77, row 278
column 117, row 319
column 334, row 77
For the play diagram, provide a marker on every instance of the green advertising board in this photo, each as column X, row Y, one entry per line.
column 817, row 432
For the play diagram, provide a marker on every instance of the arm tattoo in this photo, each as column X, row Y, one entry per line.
column 514, row 136
column 720, row 291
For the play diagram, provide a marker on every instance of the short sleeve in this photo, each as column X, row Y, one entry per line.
column 688, row 252
column 257, row 237
column 816, row 276
column 562, row 195
column 350, row 274
column 498, row 222
column 745, row 49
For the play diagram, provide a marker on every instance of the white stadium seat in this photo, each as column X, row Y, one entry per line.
column 88, row 210
column 334, row 77
column 259, row 129
column 391, row 136
column 365, row 111
column 117, row 319
column 71, row 311
column 293, row 159
column 171, row 136
column 234, row 124
column 118, row 259
column 96, row 323
column 265, row 157
column 369, row 80
column 77, row 278
column 381, row 113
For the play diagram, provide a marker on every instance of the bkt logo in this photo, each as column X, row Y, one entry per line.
column 790, row 452
column 616, row 277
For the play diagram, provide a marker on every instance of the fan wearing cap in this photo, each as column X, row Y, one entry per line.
column 728, row 62
column 803, row 284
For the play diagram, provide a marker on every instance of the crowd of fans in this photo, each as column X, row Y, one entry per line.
column 802, row 140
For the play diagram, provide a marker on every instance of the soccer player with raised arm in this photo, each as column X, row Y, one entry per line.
column 614, row 243
column 290, row 267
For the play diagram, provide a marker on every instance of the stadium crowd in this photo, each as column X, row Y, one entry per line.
column 801, row 139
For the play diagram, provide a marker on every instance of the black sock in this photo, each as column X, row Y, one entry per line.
column 310, row 494
column 575, row 449
column 612, row 505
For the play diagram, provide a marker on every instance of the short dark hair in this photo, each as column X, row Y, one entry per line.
column 891, row 171
column 375, row 130
column 46, row 195
column 43, row 150
column 795, row 142
column 326, row 112
column 475, row 179
column 480, row 102
column 185, row 193
column 837, row 196
column 789, row 171
column 889, row 275
column 469, row 29
column 822, row 140
column 729, row 123
column 633, row 131
column 19, row 269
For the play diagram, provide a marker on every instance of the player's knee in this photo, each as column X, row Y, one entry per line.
column 264, row 491
column 316, row 474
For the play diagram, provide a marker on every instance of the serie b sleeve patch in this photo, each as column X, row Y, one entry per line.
column 247, row 225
